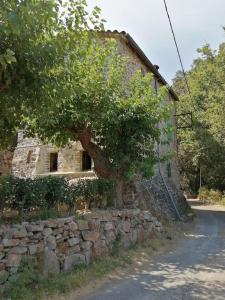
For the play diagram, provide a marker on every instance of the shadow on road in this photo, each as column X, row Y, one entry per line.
column 194, row 269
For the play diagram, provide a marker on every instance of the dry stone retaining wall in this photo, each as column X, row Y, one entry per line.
column 67, row 242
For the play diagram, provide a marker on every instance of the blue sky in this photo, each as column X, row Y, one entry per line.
column 195, row 23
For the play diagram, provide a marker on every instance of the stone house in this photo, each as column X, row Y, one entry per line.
column 32, row 158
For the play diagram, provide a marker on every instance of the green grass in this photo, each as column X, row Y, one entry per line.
column 30, row 285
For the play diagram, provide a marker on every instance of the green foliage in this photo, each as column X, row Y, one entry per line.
column 116, row 249
column 210, row 196
column 30, row 284
column 203, row 148
column 45, row 194
column 27, row 194
column 93, row 190
column 28, row 276
column 63, row 80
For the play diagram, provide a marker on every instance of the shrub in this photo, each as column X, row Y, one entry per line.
column 203, row 194
column 43, row 194
column 92, row 191
column 215, row 196
column 210, row 195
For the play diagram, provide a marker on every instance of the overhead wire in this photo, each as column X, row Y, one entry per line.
column 177, row 48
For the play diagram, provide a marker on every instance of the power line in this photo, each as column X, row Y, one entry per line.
column 178, row 52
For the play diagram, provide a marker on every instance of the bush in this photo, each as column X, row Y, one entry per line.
column 28, row 194
column 210, row 195
column 42, row 194
column 203, row 194
column 92, row 191
column 215, row 196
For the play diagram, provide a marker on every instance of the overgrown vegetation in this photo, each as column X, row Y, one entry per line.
column 202, row 148
column 44, row 197
column 211, row 196
column 61, row 82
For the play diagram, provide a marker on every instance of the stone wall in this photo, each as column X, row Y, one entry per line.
column 5, row 162
column 66, row 243
column 32, row 158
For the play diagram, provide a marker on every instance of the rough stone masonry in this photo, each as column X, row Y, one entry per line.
column 68, row 242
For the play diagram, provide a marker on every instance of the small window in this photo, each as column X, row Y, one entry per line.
column 86, row 161
column 29, row 155
column 54, row 162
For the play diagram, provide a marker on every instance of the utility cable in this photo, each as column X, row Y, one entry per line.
column 178, row 52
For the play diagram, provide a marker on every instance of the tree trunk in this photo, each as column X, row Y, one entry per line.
column 118, row 197
column 102, row 164
column 124, row 190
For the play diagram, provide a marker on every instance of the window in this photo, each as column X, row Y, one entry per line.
column 29, row 156
column 54, row 162
column 86, row 161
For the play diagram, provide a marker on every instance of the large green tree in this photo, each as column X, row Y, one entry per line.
column 60, row 80
column 202, row 148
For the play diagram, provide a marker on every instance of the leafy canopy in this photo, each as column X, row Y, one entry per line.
column 204, row 146
column 60, row 77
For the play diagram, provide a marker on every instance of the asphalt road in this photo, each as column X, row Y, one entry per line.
column 194, row 269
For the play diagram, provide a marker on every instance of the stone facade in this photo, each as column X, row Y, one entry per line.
column 6, row 163
column 32, row 158
column 66, row 243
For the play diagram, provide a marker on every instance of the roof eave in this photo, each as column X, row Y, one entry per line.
column 148, row 63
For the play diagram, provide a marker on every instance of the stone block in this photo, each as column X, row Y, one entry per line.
column 57, row 231
column 35, row 227
column 73, row 249
column 19, row 233
column 134, row 236
column 51, row 223
column 110, row 237
column 90, row 235
column 126, row 242
column 109, row 226
column 73, row 241
column 32, row 249
column 85, row 246
column 51, row 264
column 47, row 231
column 147, row 216
column 51, row 242
column 94, row 225
column 82, row 224
column 126, row 226
column 37, row 236
column 10, row 242
column 18, row 250
column 72, row 226
column 100, row 248
column 87, row 256
column 13, row 260
column 72, row 261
